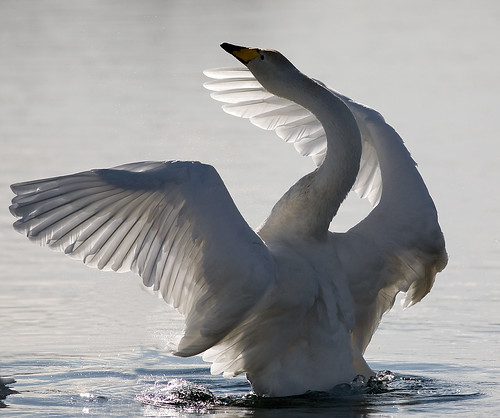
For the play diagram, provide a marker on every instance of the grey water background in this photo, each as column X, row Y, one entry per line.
column 90, row 84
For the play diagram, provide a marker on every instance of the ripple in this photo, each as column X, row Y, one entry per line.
column 382, row 393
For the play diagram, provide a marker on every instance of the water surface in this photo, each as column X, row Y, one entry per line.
column 96, row 84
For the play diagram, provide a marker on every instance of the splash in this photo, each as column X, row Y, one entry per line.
column 361, row 385
column 194, row 397
column 180, row 393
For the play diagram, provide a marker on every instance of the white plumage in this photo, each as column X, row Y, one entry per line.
column 292, row 305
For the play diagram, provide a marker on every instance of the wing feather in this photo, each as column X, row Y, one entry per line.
column 245, row 97
column 173, row 223
column 250, row 108
column 400, row 242
column 400, row 255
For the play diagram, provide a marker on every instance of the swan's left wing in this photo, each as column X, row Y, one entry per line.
column 245, row 97
column 399, row 246
column 173, row 223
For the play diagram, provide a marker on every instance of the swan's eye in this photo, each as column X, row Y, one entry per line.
column 262, row 57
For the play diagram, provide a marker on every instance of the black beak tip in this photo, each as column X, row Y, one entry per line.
column 229, row 47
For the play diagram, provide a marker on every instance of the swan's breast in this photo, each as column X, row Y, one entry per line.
column 310, row 277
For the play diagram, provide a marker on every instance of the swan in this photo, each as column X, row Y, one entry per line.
column 290, row 304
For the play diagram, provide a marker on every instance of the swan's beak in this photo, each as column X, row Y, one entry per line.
column 243, row 54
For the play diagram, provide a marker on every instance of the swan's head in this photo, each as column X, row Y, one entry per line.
column 269, row 67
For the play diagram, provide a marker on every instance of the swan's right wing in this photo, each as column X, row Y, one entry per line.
column 245, row 97
column 173, row 223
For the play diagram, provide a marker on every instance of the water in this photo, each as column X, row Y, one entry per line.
column 96, row 84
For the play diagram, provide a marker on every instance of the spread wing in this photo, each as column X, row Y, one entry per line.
column 245, row 97
column 173, row 223
column 399, row 247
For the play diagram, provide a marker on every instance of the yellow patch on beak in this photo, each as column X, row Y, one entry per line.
column 245, row 55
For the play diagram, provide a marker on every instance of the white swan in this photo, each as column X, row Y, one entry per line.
column 292, row 304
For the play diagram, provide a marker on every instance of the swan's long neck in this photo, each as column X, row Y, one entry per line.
column 308, row 207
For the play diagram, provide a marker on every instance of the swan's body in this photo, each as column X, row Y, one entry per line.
column 292, row 305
